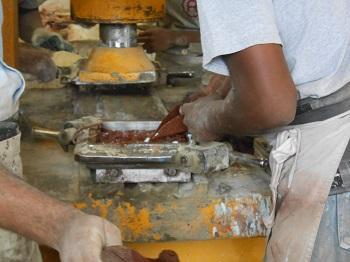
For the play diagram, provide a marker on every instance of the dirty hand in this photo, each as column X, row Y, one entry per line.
column 50, row 40
column 200, row 117
column 37, row 62
column 157, row 39
column 84, row 237
column 218, row 84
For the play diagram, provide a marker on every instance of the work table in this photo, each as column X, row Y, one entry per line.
column 224, row 204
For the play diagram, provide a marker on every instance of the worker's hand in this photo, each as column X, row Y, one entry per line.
column 85, row 236
column 50, row 40
column 37, row 62
column 200, row 116
column 218, row 84
column 157, row 39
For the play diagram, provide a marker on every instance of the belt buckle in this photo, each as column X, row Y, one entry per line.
column 7, row 130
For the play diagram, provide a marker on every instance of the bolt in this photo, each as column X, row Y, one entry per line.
column 183, row 160
column 190, row 139
column 111, row 175
column 170, row 172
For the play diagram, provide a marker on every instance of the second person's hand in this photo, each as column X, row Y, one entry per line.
column 156, row 39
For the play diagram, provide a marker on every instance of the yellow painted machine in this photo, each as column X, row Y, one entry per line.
column 118, row 59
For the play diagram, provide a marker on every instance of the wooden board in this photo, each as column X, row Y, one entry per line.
column 10, row 31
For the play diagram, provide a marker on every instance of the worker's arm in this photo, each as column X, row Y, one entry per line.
column 27, row 211
column 264, row 97
column 161, row 39
column 218, row 84
column 29, row 21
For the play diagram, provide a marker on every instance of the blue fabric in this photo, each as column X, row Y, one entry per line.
column 11, row 84
column 327, row 246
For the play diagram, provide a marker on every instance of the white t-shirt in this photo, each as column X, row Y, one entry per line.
column 315, row 35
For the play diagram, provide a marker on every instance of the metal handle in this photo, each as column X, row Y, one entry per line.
column 247, row 159
column 181, row 74
column 44, row 133
column 64, row 138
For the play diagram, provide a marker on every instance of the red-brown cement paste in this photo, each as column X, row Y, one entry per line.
column 134, row 137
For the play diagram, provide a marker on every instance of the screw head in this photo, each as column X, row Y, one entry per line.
column 170, row 172
column 183, row 160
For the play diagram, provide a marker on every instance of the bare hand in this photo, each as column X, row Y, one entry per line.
column 199, row 117
column 156, row 39
column 84, row 238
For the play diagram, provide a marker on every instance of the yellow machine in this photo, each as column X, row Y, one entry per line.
column 118, row 59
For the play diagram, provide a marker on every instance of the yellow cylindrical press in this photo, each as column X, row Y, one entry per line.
column 117, row 11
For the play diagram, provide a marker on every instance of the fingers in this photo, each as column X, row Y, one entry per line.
column 149, row 47
column 77, row 256
column 185, row 108
column 112, row 235
column 146, row 33
column 143, row 39
column 152, row 31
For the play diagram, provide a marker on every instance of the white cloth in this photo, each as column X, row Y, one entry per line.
column 303, row 162
column 315, row 35
column 11, row 84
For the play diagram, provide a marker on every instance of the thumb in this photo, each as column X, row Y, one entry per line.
column 112, row 234
column 185, row 108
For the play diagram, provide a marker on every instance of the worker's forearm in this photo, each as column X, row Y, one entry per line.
column 242, row 117
column 28, row 22
column 233, row 119
column 185, row 38
column 28, row 212
column 264, row 95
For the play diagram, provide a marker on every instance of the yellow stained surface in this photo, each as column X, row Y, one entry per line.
column 118, row 10
column 237, row 250
column 115, row 65
column 241, row 250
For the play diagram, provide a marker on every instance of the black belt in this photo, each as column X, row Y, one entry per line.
column 308, row 111
column 304, row 116
column 9, row 128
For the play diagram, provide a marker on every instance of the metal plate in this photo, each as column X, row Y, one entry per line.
column 111, row 176
column 133, row 153
column 144, row 78
column 131, row 125
column 126, row 154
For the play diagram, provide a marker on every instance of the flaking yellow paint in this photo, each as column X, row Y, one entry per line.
column 137, row 222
